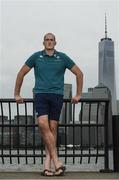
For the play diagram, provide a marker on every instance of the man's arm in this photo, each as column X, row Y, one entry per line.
column 79, row 81
column 23, row 71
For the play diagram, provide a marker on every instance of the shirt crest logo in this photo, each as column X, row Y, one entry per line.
column 40, row 58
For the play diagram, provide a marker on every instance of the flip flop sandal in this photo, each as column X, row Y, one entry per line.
column 62, row 172
column 63, row 167
column 45, row 173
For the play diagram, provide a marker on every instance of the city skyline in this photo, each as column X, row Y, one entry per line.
column 22, row 35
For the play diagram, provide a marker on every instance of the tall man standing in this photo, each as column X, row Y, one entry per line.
column 49, row 69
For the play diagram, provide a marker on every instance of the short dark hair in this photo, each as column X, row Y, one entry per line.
column 50, row 34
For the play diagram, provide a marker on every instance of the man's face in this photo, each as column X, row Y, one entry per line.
column 49, row 42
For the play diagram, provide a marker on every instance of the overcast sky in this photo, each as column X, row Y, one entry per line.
column 78, row 26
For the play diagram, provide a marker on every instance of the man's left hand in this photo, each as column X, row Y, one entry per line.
column 75, row 99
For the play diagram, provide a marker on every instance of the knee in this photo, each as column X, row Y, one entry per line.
column 43, row 124
column 53, row 129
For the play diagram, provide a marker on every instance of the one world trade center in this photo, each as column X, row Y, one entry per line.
column 107, row 67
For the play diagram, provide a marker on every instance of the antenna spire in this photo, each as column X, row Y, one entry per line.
column 105, row 26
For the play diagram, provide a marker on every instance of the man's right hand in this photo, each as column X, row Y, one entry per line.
column 18, row 99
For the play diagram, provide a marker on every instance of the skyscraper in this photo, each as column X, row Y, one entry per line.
column 107, row 67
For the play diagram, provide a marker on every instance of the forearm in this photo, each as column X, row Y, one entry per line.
column 18, row 84
column 79, row 82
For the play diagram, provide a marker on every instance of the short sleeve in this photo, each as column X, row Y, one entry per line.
column 69, row 63
column 31, row 61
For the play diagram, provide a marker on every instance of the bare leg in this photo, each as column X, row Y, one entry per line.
column 48, row 139
column 53, row 127
column 47, row 163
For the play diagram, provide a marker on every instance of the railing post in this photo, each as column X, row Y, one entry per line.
column 115, row 125
column 106, row 163
column 106, row 146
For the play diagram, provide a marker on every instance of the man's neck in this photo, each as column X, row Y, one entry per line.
column 50, row 52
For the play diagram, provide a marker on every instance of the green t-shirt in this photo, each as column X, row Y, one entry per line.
column 49, row 71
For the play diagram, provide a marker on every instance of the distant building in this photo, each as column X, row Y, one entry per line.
column 82, row 133
column 107, row 67
column 68, row 111
column 99, row 91
column 96, row 135
column 6, row 133
column 26, row 135
column 66, row 114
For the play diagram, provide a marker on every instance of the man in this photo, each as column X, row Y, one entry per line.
column 49, row 68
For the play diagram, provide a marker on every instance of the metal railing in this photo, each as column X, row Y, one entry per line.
column 85, row 135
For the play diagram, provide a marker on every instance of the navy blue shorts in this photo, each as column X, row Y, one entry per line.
column 48, row 104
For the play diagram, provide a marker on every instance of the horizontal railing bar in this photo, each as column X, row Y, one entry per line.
column 6, row 100
column 62, row 125
column 60, row 155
